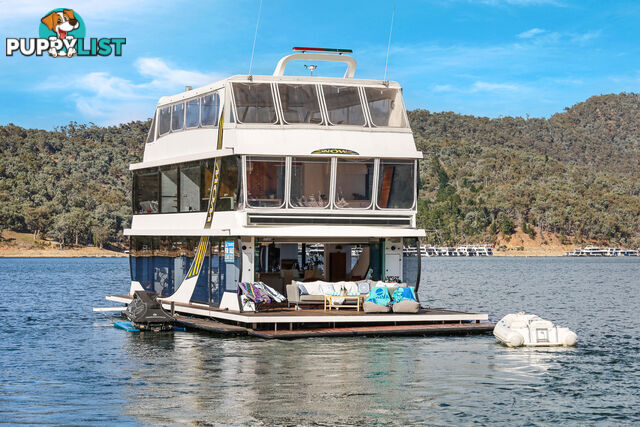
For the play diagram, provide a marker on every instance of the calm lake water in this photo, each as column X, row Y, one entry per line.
column 63, row 364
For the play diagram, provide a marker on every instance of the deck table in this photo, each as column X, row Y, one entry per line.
column 329, row 304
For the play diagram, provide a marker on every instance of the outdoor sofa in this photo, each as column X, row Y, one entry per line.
column 313, row 293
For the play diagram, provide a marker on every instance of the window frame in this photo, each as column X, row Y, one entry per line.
column 151, row 135
column 277, row 107
column 363, row 105
column 189, row 165
column 373, row 183
column 220, row 108
column 245, row 174
column 405, row 117
column 136, row 176
column 292, row 159
column 317, row 89
column 160, row 193
column 169, row 107
column 184, row 111
column 186, row 102
column 217, row 92
column 415, row 183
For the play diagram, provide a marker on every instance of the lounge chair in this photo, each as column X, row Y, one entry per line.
column 257, row 295
column 404, row 300
column 378, row 300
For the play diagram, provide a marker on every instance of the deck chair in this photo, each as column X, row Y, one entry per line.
column 378, row 300
column 250, row 296
column 404, row 300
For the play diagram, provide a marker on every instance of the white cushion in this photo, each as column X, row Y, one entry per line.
column 327, row 289
column 352, row 288
column 313, row 287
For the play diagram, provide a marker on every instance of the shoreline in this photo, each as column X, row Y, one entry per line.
column 60, row 253
column 104, row 253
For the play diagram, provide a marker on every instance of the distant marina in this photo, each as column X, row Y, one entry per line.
column 591, row 251
column 460, row 251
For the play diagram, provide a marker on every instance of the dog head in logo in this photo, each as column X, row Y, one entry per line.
column 61, row 23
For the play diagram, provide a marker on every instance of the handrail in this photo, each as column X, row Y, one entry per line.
column 350, row 61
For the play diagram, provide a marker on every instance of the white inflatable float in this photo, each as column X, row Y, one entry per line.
column 519, row 329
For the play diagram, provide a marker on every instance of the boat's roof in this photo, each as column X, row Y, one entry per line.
column 279, row 75
column 274, row 79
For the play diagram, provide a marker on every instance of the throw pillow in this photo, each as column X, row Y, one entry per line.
column 363, row 288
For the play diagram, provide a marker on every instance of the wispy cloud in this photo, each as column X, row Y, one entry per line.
column 584, row 37
column 480, row 86
column 443, row 88
column 491, row 87
column 531, row 33
column 108, row 99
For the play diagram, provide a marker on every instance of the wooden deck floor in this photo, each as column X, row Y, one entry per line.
column 285, row 323
column 285, row 317
column 209, row 325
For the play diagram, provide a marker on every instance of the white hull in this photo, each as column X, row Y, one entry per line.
column 515, row 330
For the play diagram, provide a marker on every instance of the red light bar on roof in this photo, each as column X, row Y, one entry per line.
column 321, row 49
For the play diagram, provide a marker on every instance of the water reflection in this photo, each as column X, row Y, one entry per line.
column 527, row 363
column 63, row 365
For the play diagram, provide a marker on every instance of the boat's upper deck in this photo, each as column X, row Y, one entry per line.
column 283, row 115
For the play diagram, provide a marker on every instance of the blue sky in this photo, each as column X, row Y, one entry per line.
column 482, row 57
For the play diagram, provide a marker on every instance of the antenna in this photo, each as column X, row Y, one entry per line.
column 311, row 68
column 255, row 36
column 386, row 64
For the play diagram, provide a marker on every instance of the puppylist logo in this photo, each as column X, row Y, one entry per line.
column 62, row 34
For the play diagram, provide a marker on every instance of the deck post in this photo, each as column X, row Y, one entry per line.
column 173, row 308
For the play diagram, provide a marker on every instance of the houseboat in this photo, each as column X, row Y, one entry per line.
column 279, row 179
column 594, row 251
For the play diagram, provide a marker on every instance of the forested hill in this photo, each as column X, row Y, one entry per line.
column 576, row 174
column 72, row 184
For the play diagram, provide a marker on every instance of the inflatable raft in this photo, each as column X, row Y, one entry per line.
column 519, row 329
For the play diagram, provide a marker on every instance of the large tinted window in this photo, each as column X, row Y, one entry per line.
column 190, row 177
column 254, row 103
column 229, row 187
column 146, row 191
column 192, row 119
column 229, row 184
column 177, row 117
column 151, row 136
column 385, row 106
column 209, row 109
column 164, row 120
column 396, row 184
column 299, row 103
column 354, row 183
column 343, row 105
column 169, row 190
column 310, row 182
column 265, row 182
